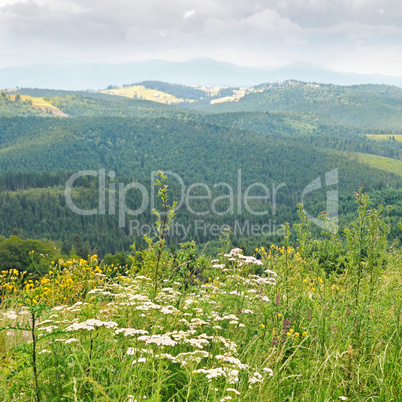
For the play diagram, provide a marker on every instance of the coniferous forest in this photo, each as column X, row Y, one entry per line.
column 285, row 135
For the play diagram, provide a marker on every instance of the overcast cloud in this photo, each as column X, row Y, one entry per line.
column 364, row 36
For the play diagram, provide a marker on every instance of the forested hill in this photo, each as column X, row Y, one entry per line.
column 368, row 106
column 195, row 150
column 39, row 151
column 133, row 148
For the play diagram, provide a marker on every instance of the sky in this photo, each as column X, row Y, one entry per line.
column 363, row 36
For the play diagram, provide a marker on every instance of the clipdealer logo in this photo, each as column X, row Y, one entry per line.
column 235, row 199
column 332, row 210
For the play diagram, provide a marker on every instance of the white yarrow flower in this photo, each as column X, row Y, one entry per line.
column 71, row 340
column 268, row 370
column 256, row 377
column 140, row 360
column 91, row 324
column 212, row 373
column 218, row 266
column 162, row 340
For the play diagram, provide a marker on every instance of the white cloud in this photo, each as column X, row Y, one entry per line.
column 189, row 14
column 248, row 32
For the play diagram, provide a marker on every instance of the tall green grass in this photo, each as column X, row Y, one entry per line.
column 315, row 321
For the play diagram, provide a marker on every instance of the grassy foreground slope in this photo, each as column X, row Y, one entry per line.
column 311, row 321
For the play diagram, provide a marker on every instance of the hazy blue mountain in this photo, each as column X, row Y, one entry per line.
column 202, row 71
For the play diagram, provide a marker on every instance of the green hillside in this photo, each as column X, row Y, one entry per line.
column 12, row 105
column 133, row 138
column 133, row 148
column 382, row 163
column 374, row 106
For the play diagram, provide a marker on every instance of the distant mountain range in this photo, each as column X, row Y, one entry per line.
column 198, row 72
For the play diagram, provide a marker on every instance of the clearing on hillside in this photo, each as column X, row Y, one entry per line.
column 381, row 137
column 380, row 162
column 40, row 103
column 140, row 92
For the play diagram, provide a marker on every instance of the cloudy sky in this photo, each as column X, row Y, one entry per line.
column 363, row 36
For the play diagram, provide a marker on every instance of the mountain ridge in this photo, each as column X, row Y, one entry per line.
column 197, row 72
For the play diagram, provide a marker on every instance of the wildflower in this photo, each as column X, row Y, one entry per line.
column 226, row 398
column 278, row 300
column 140, row 360
column 198, row 322
column 266, row 281
column 163, row 340
column 177, row 335
column 198, row 343
column 190, row 357
column 256, row 377
column 233, row 390
column 212, row 373
column 233, row 376
column 71, row 340
column 147, row 306
column 167, row 356
column 11, row 315
column 232, row 360
column 268, row 370
column 91, row 324
column 169, row 310
column 48, row 329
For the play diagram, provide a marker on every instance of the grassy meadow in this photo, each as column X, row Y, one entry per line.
column 40, row 103
column 317, row 320
column 380, row 162
column 140, row 92
column 383, row 137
